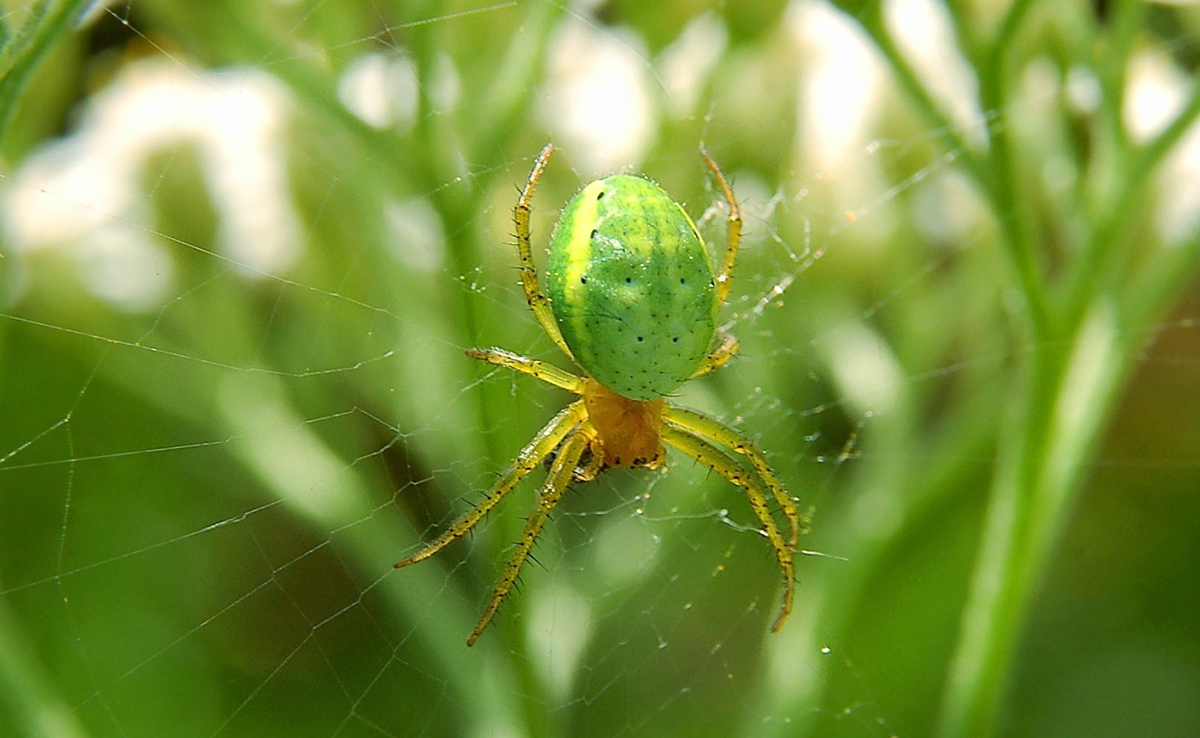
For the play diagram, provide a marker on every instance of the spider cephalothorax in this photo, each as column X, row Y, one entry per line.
column 632, row 300
column 628, row 432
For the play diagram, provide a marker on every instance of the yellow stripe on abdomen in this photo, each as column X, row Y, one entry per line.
column 579, row 252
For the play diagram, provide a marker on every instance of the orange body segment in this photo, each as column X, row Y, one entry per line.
column 627, row 431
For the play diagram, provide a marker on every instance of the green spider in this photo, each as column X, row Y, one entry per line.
column 632, row 299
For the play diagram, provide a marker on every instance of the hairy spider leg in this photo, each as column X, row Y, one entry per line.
column 733, row 231
column 547, row 439
column 561, row 472
column 537, row 369
column 551, row 375
column 714, row 458
column 719, row 356
column 724, row 351
column 590, row 470
column 721, row 435
column 538, row 302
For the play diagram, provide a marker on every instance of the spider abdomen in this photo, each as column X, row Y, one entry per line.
column 631, row 286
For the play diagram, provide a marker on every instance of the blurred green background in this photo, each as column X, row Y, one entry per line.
column 246, row 243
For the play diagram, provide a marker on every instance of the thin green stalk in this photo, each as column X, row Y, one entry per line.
column 437, row 153
column 1045, row 451
column 45, row 23
column 1012, row 217
column 875, row 27
column 507, row 104
column 442, row 150
column 1101, row 259
column 1058, row 433
column 1005, row 34
column 979, row 665
column 1112, row 66
column 994, row 174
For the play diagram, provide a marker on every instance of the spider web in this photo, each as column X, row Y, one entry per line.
column 238, row 284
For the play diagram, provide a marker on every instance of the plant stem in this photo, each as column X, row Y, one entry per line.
column 1044, row 452
column 45, row 24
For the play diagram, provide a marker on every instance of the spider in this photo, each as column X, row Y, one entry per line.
column 632, row 300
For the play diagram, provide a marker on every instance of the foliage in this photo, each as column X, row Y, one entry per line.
column 993, row 424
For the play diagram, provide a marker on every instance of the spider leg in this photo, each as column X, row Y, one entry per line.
column 561, row 472
column 593, row 465
column 542, row 444
column 714, row 458
column 536, row 369
column 538, row 302
column 733, row 231
column 719, row 356
column 726, row 437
